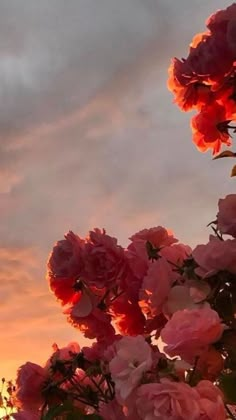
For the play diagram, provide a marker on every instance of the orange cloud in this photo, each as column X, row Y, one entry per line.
column 31, row 319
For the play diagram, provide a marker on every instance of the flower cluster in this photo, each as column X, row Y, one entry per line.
column 105, row 288
column 206, row 81
column 162, row 320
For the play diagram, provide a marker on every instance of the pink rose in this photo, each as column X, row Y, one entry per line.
column 219, row 21
column 158, row 236
column 189, row 332
column 64, row 353
column 66, row 259
column 105, row 262
column 167, row 401
column 133, row 358
column 137, row 251
column 211, row 401
column 215, row 256
column 156, row 286
column 226, row 217
column 29, row 384
column 64, row 267
column 175, row 255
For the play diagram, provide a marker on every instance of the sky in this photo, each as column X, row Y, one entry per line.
column 89, row 137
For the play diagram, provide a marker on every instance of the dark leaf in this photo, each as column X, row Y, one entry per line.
column 233, row 172
column 226, row 153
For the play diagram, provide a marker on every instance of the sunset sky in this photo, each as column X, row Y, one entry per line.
column 89, row 137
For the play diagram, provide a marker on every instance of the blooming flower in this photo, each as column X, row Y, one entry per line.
column 29, row 384
column 211, row 401
column 64, row 353
column 226, row 217
column 175, row 255
column 105, row 262
column 215, row 256
column 137, row 253
column 133, row 358
column 158, row 236
column 167, row 400
column 64, row 267
column 66, row 257
column 189, row 332
column 209, row 128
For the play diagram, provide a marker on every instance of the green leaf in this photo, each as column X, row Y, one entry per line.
column 227, row 383
column 225, row 153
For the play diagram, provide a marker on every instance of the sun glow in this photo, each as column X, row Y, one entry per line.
column 7, row 399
